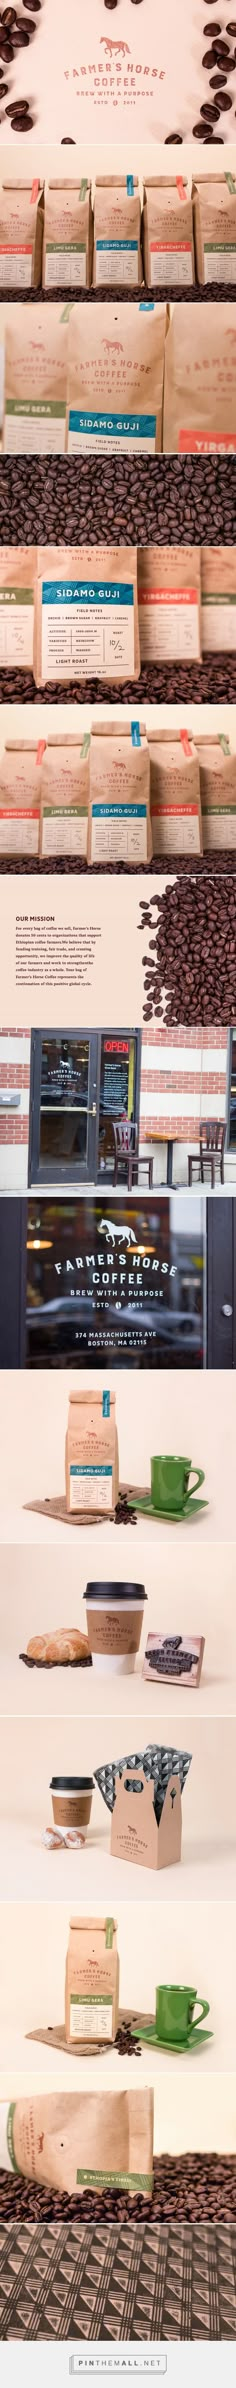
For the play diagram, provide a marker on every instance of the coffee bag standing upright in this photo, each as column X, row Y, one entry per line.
column 116, row 379
column 86, row 615
column 36, row 344
column 214, row 213
column 68, row 235
column 169, row 604
column 119, row 811
column 92, row 1980
column 65, row 796
column 117, row 230
column 218, row 580
column 168, row 245
column 17, row 593
column 200, row 380
column 92, row 1467
column 20, row 795
column 175, row 794
column 21, row 235
column 73, row 2142
column 217, row 767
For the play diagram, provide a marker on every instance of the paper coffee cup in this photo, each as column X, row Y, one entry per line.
column 72, row 1799
column 114, row 1621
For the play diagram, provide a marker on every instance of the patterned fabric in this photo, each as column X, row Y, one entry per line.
column 147, row 2281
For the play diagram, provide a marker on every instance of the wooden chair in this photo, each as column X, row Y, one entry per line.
column 126, row 1154
column 211, row 1152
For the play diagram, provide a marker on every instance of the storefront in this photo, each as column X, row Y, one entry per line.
column 81, row 1083
column 89, row 1284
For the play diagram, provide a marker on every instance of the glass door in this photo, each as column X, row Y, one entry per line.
column 63, row 1109
column 119, row 1090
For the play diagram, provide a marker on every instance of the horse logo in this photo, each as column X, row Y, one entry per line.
column 121, row 47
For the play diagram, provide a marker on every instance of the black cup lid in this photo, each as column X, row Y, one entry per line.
column 72, row 1782
column 115, row 1592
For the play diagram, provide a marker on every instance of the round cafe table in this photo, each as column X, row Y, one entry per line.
column 157, row 1138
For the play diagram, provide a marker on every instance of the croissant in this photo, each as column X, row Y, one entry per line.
column 58, row 1649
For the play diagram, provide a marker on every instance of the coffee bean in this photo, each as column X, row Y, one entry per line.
column 221, row 50
column 9, row 17
column 21, row 38
column 199, row 133
column 4, row 88
column 6, row 49
column 209, row 57
column 22, row 124
column 67, row 141
column 173, row 137
column 217, row 82
column 227, row 102
column 211, row 108
column 192, row 952
column 33, row 6
column 17, row 108
column 110, row 3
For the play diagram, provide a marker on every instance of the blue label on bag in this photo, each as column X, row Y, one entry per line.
column 106, row 1405
column 130, row 186
column 135, row 733
column 130, row 427
column 146, row 307
column 119, row 812
column 90, row 1471
column 78, row 592
column 117, row 244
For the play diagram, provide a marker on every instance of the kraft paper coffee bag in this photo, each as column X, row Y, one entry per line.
column 92, row 1463
column 116, row 379
column 36, row 344
column 214, row 207
column 117, row 230
column 68, row 235
column 17, row 593
column 169, row 607
column 20, row 792
column 86, row 616
column 168, row 232
column 175, row 794
column 200, row 381
column 92, row 1980
column 218, row 578
column 65, row 796
column 89, row 2140
column 218, row 790
column 21, row 235
column 119, row 811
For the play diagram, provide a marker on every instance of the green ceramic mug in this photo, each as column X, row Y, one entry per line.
column 170, row 1487
column 175, row 2015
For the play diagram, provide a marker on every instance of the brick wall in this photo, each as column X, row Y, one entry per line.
column 183, row 1079
column 14, row 1123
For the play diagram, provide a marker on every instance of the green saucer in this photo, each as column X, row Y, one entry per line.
column 179, row 2047
column 191, row 1509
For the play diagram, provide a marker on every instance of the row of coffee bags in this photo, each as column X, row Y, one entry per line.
column 120, row 378
column 167, row 234
column 70, row 612
column 84, row 380
column 117, row 795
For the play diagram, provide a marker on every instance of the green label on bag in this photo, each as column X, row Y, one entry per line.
column 224, row 742
column 109, row 1931
column 229, row 178
column 83, row 190
column 116, row 2180
column 215, row 599
column 89, row 1998
column 16, row 596
column 35, row 406
column 85, row 746
column 65, row 812
column 10, row 2138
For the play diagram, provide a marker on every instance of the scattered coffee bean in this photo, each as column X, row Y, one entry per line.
column 33, row 6
column 67, row 141
column 21, row 38
column 22, row 124
column 173, row 137
column 227, row 102
column 211, row 111
column 199, row 133
column 9, row 17
column 110, row 3
column 217, row 82
column 6, row 50
column 17, row 108
column 192, row 952
column 4, row 88
column 209, row 58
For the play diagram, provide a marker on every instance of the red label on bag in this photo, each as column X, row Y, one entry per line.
column 167, row 597
column 34, row 193
column 173, row 812
column 185, row 742
column 40, row 750
column 170, row 248
column 180, row 186
column 212, row 443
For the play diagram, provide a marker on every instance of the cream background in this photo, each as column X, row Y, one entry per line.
column 181, row 1598
column 100, row 902
column 32, row 1752
column 207, row 2121
column 153, row 1410
column 184, row 1945
column 174, row 106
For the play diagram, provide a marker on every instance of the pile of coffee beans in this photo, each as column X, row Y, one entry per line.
column 186, row 2187
column 218, row 61
column 14, row 36
column 190, row 966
